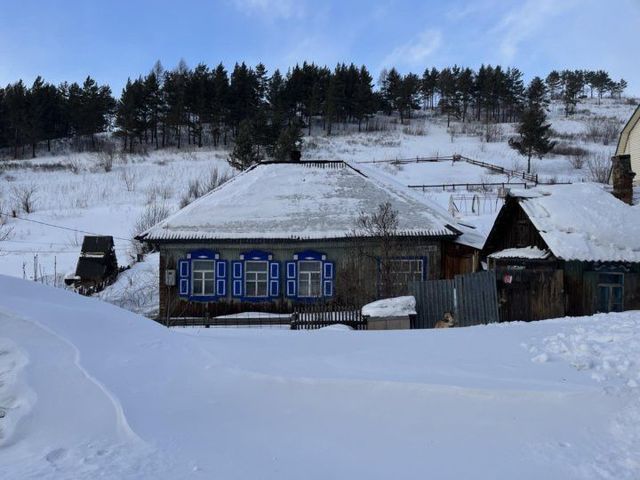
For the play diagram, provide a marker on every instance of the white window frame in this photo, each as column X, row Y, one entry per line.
column 403, row 277
column 255, row 280
column 306, row 279
column 200, row 275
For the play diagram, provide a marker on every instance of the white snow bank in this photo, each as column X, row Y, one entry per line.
column 391, row 307
column 119, row 396
column 136, row 289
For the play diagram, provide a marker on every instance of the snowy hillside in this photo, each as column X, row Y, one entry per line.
column 91, row 391
column 77, row 192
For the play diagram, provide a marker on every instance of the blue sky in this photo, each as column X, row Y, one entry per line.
column 114, row 39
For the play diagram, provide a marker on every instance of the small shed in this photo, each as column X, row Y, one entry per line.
column 565, row 250
column 97, row 265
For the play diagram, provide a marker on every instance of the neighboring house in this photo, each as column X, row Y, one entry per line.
column 281, row 234
column 629, row 142
column 97, row 265
column 565, row 250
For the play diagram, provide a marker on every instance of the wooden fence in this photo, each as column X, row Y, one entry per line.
column 315, row 316
column 471, row 298
column 282, row 321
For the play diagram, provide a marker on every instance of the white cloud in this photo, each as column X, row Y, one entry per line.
column 271, row 9
column 415, row 52
column 522, row 23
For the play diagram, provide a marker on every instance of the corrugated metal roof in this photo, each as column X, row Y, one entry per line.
column 297, row 201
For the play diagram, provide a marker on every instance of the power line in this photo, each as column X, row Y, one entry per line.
column 62, row 227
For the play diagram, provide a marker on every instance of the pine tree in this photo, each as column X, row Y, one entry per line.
column 290, row 139
column 245, row 151
column 534, row 132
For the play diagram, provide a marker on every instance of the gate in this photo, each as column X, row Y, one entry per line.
column 472, row 298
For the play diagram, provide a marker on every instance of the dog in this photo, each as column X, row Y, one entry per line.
column 447, row 322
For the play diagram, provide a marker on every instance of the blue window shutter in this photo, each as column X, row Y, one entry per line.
column 291, row 279
column 328, row 288
column 274, row 279
column 221, row 278
column 328, row 275
column 236, row 266
column 183, row 278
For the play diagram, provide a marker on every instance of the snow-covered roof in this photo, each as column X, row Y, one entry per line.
column 391, row 307
column 308, row 200
column 532, row 253
column 584, row 222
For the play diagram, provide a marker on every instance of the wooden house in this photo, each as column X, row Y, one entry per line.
column 282, row 234
column 629, row 142
column 565, row 250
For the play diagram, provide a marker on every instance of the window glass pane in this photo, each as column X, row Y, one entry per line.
column 202, row 265
column 309, row 278
column 256, row 266
column 256, row 276
column 202, row 277
column 610, row 278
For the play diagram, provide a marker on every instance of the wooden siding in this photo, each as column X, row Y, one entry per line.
column 512, row 229
column 529, row 290
column 459, row 259
column 339, row 252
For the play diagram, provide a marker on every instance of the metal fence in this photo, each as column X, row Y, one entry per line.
column 471, row 298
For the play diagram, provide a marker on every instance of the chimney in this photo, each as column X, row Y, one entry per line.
column 295, row 156
column 622, row 178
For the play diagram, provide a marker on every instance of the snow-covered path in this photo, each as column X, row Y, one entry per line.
column 496, row 402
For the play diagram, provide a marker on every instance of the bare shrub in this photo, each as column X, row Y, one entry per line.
column 198, row 188
column 106, row 159
column 74, row 164
column 563, row 148
column 493, row 133
column 159, row 191
column 599, row 168
column 415, row 130
column 25, row 197
column 603, row 130
column 577, row 156
column 129, row 178
column 153, row 213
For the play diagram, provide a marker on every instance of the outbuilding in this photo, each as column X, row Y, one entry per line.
column 565, row 250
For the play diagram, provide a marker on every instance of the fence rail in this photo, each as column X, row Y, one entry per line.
column 470, row 186
column 527, row 177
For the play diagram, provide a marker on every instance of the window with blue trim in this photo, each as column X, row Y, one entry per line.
column 202, row 276
column 309, row 276
column 256, row 276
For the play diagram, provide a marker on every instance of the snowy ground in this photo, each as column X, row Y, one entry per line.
column 74, row 191
column 89, row 391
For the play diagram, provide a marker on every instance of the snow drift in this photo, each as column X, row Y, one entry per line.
column 89, row 390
